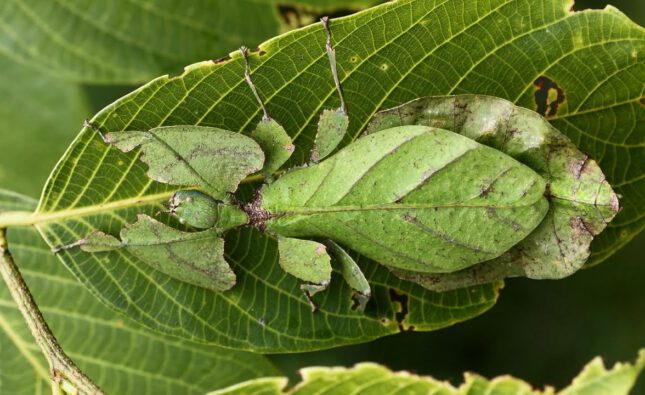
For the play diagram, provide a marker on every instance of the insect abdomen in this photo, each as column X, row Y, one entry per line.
column 412, row 197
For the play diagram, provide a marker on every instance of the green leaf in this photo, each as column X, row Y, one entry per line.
column 39, row 116
column 128, row 42
column 121, row 356
column 386, row 56
column 370, row 378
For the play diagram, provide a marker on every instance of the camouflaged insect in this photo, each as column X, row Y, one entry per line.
column 445, row 191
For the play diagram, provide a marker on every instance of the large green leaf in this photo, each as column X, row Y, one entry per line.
column 134, row 41
column 387, row 55
column 370, row 378
column 121, row 356
column 38, row 117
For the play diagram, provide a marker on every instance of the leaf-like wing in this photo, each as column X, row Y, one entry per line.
column 411, row 197
column 581, row 200
column 213, row 159
column 372, row 379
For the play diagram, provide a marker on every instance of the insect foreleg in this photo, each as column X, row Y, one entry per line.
column 269, row 134
column 352, row 274
column 333, row 124
column 93, row 242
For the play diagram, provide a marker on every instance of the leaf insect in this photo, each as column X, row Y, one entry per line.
column 446, row 191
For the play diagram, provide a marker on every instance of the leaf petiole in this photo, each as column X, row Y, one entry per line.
column 64, row 373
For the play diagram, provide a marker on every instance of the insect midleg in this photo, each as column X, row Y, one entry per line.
column 331, row 54
column 269, row 134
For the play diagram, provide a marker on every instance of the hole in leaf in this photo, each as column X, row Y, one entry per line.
column 402, row 312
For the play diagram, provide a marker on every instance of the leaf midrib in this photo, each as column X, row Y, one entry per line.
column 22, row 218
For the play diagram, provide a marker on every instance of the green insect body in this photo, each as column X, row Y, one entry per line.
column 198, row 210
column 392, row 197
column 446, row 192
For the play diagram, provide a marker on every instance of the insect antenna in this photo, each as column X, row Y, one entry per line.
column 247, row 76
column 331, row 53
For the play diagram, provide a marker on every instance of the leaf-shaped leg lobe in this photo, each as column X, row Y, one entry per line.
column 215, row 160
column 275, row 142
column 333, row 124
column 332, row 127
column 352, row 274
column 193, row 257
column 307, row 260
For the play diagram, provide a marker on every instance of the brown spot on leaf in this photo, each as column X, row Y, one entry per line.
column 548, row 96
column 221, row 60
column 258, row 51
column 614, row 204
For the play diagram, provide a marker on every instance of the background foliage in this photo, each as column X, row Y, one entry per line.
column 382, row 62
column 536, row 325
